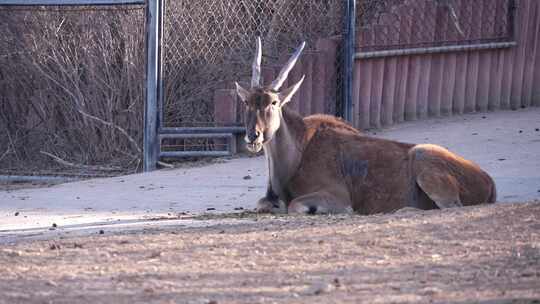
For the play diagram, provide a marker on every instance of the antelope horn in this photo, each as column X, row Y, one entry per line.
column 256, row 68
column 276, row 84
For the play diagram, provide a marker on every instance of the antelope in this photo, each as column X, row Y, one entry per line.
column 320, row 164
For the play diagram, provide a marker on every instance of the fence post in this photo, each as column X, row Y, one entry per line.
column 151, row 141
column 348, row 59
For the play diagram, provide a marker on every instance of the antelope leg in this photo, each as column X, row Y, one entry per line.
column 319, row 202
column 441, row 187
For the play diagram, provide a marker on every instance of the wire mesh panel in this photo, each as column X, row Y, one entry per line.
column 209, row 44
column 401, row 24
column 71, row 89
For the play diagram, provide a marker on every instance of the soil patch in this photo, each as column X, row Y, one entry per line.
column 486, row 254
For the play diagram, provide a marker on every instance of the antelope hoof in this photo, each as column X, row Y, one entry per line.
column 312, row 209
column 266, row 206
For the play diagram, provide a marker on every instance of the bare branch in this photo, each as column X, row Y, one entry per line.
column 452, row 12
column 8, row 150
column 110, row 124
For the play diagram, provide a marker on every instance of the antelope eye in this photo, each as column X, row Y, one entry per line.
column 274, row 102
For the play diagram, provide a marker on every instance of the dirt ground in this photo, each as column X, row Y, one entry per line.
column 487, row 254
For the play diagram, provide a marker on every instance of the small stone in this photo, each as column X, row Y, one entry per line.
column 430, row 290
column 101, row 232
column 77, row 245
column 247, row 177
column 54, row 225
column 17, row 213
column 155, row 255
column 436, row 257
column 239, row 208
column 483, row 117
column 501, row 159
column 54, row 247
column 537, row 129
column 520, row 131
column 475, row 134
column 210, row 209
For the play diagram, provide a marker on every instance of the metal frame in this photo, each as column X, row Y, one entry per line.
column 349, row 38
column 202, row 130
column 151, row 144
column 155, row 125
column 31, row 178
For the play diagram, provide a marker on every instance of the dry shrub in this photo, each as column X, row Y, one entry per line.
column 71, row 87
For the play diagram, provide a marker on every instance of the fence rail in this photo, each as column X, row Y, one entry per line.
column 70, row 2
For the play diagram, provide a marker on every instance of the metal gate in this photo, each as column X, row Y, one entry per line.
column 202, row 47
column 196, row 49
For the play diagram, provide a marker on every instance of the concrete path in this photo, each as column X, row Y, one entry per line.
column 506, row 144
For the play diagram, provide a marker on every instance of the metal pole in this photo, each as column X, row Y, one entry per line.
column 348, row 59
column 161, row 93
column 512, row 7
column 151, row 142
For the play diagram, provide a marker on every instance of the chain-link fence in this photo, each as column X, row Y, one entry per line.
column 402, row 24
column 72, row 79
column 71, row 89
column 209, row 44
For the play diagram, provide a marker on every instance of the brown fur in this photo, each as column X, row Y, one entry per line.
column 374, row 175
column 318, row 122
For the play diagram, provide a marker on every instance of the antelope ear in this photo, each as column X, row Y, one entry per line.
column 243, row 93
column 286, row 95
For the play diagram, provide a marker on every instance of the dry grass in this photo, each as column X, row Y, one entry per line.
column 71, row 88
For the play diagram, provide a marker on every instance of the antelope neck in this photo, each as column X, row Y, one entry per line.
column 284, row 151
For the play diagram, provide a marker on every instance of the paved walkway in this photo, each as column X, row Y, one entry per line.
column 506, row 144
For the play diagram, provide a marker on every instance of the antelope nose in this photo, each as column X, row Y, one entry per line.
column 252, row 137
